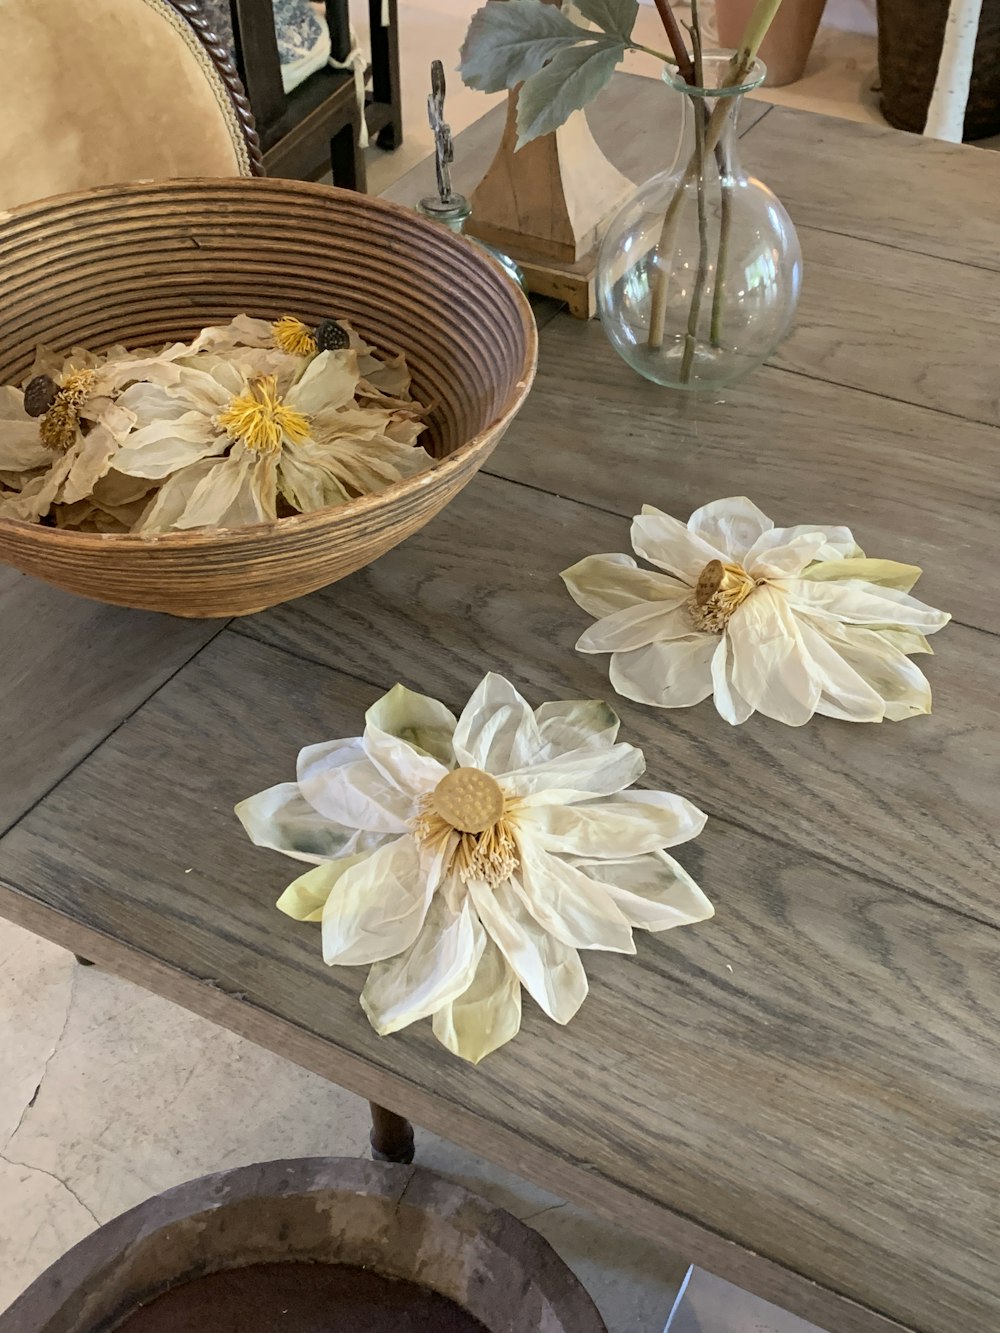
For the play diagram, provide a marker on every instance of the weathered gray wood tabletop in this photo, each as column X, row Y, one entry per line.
column 800, row 1095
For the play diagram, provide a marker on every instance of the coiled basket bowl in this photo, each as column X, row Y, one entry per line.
column 145, row 263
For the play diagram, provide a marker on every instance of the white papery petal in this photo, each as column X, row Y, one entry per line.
column 654, row 892
column 243, row 331
column 422, row 722
column 770, row 666
column 21, row 446
column 306, row 898
column 669, row 545
column 550, row 971
column 412, row 770
column 637, row 626
column 839, row 544
column 570, row 725
column 598, row 772
column 234, row 492
column 436, row 969
column 846, row 694
column 676, row 674
column 497, row 731
column 339, row 779
column 602, row 584
column 487, row 1015
column 731, row 526
column 771, row 559
column 162, row 447
column 731, row 705
column 629, row 824
column 858, row 603
column 282, row 818
column 379, row 904
column 567, row 903
column 878, row 658
column 327, row 382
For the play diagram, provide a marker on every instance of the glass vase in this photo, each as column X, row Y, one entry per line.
column 698, row 275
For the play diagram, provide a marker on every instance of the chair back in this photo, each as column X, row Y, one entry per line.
column 98, row 92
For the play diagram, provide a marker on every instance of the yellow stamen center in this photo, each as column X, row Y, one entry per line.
column 261, row 419
column 720, row 590
column 468, row 816
column 59, row 425
column 294, row 337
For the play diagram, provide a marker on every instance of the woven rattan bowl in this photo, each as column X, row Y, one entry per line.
column 148, row 262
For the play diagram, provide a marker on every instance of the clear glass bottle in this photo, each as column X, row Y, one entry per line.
column 698, row 276
column 454, row 213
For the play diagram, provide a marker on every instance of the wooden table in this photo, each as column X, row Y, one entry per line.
column 800, row 1095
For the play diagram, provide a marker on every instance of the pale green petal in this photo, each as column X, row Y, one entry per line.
column 603, row 584
column 731, row 526
column 670, row 545
column 497, row 731
column 341, row 782
column 436, row 969
column 379, row 906
column 675, row 674
column 573, row 908
column 568, row 725
column 420, row 721
column 629, row 824
column 906, row 640
column 550, row 971
column 487, row 1015
column 884, row 667
column 636, row 626
column 306, row 897
column 885, row 573
column 281, row 818
column 654, row 892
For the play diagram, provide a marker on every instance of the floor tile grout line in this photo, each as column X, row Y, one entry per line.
column 819, row 856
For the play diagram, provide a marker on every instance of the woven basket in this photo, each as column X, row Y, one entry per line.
column 910, row 34
column 146, row 263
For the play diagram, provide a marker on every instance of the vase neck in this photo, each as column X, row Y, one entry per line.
column 711, row 114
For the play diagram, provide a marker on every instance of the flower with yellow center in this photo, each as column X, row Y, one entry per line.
column 294, row 337
column 465, row 858
column 785, row 621
column 261, row 420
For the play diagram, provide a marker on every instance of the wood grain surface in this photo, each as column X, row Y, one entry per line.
column 800, row 1095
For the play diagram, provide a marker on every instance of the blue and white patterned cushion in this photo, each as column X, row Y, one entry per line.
column 301, row 28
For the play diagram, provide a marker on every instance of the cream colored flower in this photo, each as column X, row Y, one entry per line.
column 234, row 444
column 463, row 859
column 786, row 621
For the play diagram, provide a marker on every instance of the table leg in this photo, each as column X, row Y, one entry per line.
column 391, row 1137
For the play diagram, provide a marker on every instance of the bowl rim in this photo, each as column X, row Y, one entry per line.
column 440, row 470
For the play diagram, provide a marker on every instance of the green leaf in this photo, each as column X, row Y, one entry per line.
column 615, row 17
column 887, row 573
column 570, row 80
column 509, row 40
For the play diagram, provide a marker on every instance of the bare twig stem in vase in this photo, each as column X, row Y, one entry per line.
column 700, row 113
column 742, row 62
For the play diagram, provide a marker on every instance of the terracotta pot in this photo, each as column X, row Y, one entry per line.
column 175, row 1262
column 786, row 47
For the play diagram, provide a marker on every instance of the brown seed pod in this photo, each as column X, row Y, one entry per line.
column 39, row 395
column 331, row 336
column 709, row 582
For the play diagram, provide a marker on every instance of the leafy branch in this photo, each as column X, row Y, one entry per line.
column 560, row 65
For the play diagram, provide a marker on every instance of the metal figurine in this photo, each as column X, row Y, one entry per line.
column 446, row 206
column 443, row 144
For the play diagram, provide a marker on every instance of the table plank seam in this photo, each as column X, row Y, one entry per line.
column 243, row 629
column 43, row 796
column 888, row 397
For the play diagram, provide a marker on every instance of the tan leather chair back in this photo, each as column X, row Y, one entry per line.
column 96, row 92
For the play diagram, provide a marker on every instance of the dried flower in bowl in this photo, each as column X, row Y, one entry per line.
column 785, row 621
column 465, row 858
